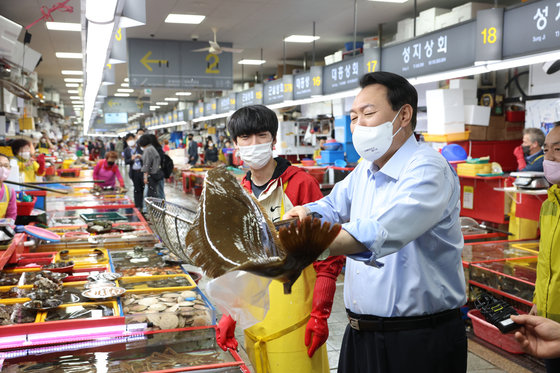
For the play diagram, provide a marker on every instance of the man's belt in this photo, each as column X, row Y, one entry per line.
column 390, row 324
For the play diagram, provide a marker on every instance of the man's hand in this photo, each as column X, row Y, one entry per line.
column 316, row 333
column 225, row 333
column 297, row 212
column 520, row 157
column 539, row 336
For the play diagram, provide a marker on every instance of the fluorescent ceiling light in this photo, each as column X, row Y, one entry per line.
column 80, row 102
column 126, row 80
column 122, row 94
column 68, row 55
column 64, row 26
column 125, row 85
column 125, row 90
column 183, row 93
column 524, row 61
column 251, row 62
column 73, row 91
column 301, row 38
column 389, row 1
column 191, row 19
column 101, row 11
column 72, row 72
column 162, row 103
column 171, row 99
column 459, row 73
column 75, row 97
column 73, row 80
column 72, row 85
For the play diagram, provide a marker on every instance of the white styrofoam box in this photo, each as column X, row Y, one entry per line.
column 446, row 20
column 423, row 26
column 463, row 84
column 477, row 115
column 432, row 13
column 371, row 42
column 329, row 59
column 445, row 111
column 405, row 29
column 468, row 11
column 337, row 56
column 469, row 100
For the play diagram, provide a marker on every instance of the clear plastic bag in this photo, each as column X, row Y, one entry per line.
column 242, row 295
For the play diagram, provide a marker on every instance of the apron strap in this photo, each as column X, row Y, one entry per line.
column 261, row 354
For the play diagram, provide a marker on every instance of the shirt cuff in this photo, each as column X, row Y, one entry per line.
column 372, row 235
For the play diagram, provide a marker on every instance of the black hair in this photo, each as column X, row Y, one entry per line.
column 140, row 129
column 399, row 91
column 250, row 120
column 17, row 144
column 148, row 139
column 190, row 135
column 128, row 136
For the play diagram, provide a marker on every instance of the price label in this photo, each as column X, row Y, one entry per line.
column 489, row 34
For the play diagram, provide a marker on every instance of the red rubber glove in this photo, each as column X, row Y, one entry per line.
column 518, row 153
column 41, row 161
column 317, row 329
column 225, row 333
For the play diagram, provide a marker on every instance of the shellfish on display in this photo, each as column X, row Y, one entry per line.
column 231, row 232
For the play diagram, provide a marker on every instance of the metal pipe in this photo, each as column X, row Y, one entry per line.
column 355, row 26
column 313, row 50
column 284, row 55
column 414, row 18
column 262, row 66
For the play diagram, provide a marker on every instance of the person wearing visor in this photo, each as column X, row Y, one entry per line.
column 108, row 171
column 292, row 335
column 399, row 211
column 547, row 286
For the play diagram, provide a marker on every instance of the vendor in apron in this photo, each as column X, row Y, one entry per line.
column 292, row 335
column 8, row 208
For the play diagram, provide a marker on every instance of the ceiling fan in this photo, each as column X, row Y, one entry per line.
column 215, row 47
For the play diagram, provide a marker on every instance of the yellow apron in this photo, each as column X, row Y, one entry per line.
column 277, row 344
column 4, row 202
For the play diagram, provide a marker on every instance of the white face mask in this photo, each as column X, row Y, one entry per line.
column 256, row 156
column 372, row 142
column 25, row 155
column 131, row 143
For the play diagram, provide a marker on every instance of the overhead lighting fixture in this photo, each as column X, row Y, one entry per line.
column 251, row 62
column 80, row 102
column 73, row 80
column 64, row 26
column 126, row 85
column 171, row 99
column 162, row 103
column 524, row 61
column 191, row 19
column 389, row 1
column 183, row 93
column 301, row 38
column 73, row 91
column 125, row 90
column 68, row 55
column 75, row 97
column 72, row 85
column 101, row 11
column 72, row 72
column 122, row 94
column 125, row 80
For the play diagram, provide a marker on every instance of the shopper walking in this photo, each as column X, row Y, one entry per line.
column 399, row 211
column 299, row 319
column 151, row 165
column 133, row 158
column 192, row 150
column 547, row 286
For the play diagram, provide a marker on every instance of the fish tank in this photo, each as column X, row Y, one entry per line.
column 154, row 351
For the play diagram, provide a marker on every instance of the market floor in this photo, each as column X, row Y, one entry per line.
column 481, row 358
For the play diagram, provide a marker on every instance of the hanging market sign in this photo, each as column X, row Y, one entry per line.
column 174, row 64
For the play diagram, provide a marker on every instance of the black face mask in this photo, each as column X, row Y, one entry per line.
column 526, row 150
column 110, row 163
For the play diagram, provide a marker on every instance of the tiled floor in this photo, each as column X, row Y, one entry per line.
column 338, row 322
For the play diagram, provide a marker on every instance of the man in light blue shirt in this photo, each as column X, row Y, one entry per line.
column 399, row 211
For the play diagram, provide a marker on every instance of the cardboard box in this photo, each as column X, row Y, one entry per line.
column 498, row 130
column 477, row 115
column 445, row 111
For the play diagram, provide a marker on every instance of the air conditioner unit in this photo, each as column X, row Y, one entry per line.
column 9, row 33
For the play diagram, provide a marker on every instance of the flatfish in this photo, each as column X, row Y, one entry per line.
column 231, row 232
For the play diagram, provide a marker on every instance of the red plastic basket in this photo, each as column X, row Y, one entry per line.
column 491, row 334
column 317, row 173
column 25, row 208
